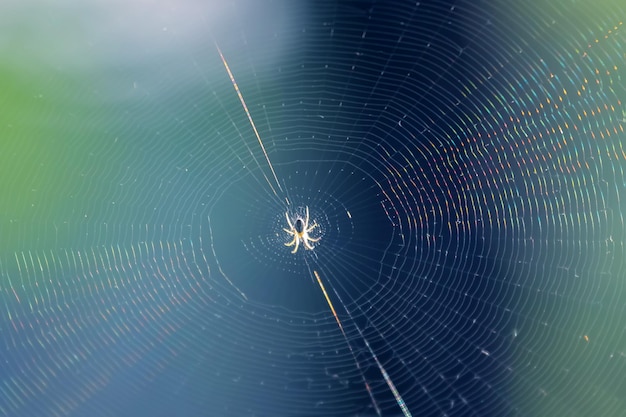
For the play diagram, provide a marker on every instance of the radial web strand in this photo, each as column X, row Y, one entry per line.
column 453, row 173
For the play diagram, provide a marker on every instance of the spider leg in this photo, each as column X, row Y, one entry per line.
column 297, row 240
column 311, row 228
column 289, row 221
column 293, row 242
column 307, row 244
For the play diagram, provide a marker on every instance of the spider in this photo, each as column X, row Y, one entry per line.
column 300, row 230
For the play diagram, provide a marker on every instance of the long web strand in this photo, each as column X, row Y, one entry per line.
column 245, row 107
column 390, row 384
column 358, row 365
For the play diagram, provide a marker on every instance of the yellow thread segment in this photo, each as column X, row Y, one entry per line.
column 245, row 107
column 329, row 303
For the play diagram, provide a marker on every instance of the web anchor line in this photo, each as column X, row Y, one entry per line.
column 358, row 365
column 390, row 384
column 256, row 132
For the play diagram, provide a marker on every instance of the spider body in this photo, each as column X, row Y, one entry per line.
column 300, row 230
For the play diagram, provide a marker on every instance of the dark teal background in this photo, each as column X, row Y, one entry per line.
column 464, row 162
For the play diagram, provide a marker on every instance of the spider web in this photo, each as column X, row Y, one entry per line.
column 463, row 161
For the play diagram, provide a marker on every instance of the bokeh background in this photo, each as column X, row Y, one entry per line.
column 463, row 162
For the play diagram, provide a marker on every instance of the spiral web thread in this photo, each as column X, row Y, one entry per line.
column 465, row 164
